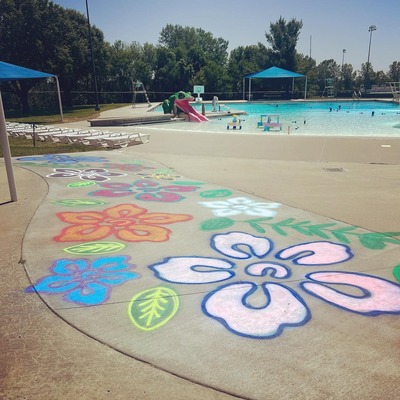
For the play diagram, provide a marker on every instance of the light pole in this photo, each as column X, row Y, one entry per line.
column 97, row 107
column 370, row 30
column 344, row 51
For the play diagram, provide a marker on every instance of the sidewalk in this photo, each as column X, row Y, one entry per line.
column 311, row 210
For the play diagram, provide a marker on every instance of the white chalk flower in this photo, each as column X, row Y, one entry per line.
column 241, row 205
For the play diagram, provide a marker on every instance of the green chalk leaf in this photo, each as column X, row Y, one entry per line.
column 79, row 202
column 396, row 272
column 216, row 224
column 153, row 308
column 94, row 248
column 378, row 241
column 81, row 184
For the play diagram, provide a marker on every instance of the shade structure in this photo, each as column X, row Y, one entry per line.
column 11, row 72
column 274, row 73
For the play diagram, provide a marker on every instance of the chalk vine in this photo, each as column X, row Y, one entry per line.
column 344, row 234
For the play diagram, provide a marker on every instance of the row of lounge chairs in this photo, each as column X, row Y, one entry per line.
column 89, row 137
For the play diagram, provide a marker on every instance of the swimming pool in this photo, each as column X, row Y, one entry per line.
column 314, row 118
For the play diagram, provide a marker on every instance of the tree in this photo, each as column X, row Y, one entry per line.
column 327, row 69
column 41, row 35
column 24, row 39
column 198, row 55
column 245, row 60
column 307, row 66
column 348, row 78
column 283, row 37
column 394, row 71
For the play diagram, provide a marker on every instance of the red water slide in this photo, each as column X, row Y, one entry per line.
column 194, row 115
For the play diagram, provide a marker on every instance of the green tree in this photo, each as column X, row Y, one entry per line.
column 283, row 37
column 394, row 71
column 194, row 56
column 327, row 69
column 245, row 60
column 41, row 35
column 348, row 77
column 24, row 40
column 307, row 66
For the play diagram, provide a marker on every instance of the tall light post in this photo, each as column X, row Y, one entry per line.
column 97, row 107
column 370, row 30
column 344, row 51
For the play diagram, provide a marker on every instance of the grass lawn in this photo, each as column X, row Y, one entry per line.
column 77, row 113
column 24, row 147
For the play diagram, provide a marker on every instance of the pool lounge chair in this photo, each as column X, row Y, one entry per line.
column 117, row 142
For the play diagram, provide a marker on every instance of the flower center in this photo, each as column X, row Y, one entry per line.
column 120, row 222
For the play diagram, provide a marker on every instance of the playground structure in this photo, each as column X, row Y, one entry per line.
column 181, row 100
column 270, row 122
column 138, row 88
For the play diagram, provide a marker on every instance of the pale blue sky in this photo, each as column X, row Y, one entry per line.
column 332, row 25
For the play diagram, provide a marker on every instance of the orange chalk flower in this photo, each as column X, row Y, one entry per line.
column 126, row 221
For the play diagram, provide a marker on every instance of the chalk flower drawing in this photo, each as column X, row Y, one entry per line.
column 264, row 310
column 85, row 282
column 145, row 190
column 241, row 205
column 165, row 175
column 127, row 167
column 127, row 222
column 63, row 159
column 90, row 174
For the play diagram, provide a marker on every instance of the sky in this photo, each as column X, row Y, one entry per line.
column 328, row 26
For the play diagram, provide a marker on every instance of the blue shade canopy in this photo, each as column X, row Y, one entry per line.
column 274, row 72
column 11, row 72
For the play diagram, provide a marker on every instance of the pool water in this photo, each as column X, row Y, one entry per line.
column 336, row 118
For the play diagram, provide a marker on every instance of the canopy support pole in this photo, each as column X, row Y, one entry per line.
column 249, row 89
column 305, row 90
column 7, row 153
column 59, row 98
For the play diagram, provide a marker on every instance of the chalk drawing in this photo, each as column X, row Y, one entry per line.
column 164, row 175
column 316, row 253
column 216, row 193
column 378, row 295
column 193, row 270
column 334, row 231
column 229, row 305
column 153, row 308
column 396, row 272
column 241, row 245
column 136, row 167
column 127, row 222
column 275, row 270
column 241, row 205
column 85, row 282
column 95, row 248
column 264, row 309
column 145, row 190
column 79, row 202
column 81, row 184
column 89, row 174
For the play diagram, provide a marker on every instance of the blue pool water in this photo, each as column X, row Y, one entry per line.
column 336, row 118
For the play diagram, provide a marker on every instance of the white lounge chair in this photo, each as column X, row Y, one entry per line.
column 121, row 141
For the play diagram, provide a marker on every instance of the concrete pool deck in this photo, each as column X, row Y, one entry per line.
column 54, row 349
